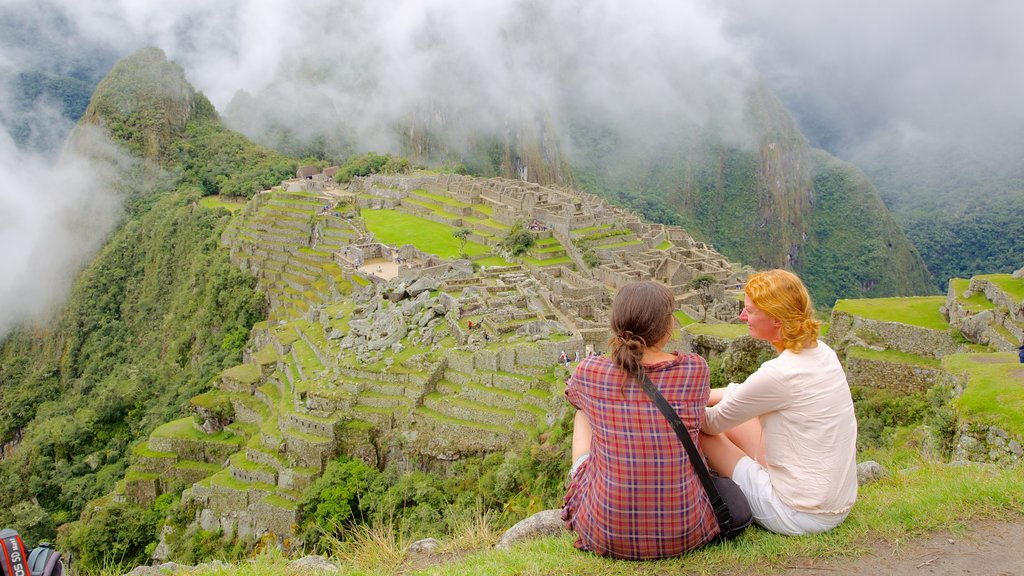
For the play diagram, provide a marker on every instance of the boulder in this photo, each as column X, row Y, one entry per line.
column 870, row 471
column 541, row 524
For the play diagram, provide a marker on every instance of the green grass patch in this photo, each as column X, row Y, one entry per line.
column 398, row 228
column 995, row 389
column 683, row 318
column 266, row 355
column 142, row 450
column 664, row 245
column 977, row 302
column 244, row 373
column 441, row 199
column 224, row 478
column 633, row 242
column 718, row 330
column 1007, row 283
column 214, row 202
column 280, row 502
column 546, row 261
column 928, row 498
column 183, row 429
column 893, row 356
column 922, row 311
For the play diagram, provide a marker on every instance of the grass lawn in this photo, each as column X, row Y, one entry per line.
column 227, row 203
column 683, row 318
column 920, row 311
column 995, row 389
column 398, row 228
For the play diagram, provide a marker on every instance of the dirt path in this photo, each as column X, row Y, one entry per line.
column 989, row 548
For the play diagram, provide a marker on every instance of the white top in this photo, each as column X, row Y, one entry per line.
column 810, row 432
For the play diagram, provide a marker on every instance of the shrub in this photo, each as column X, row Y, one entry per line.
column 371, row 163
column 112, row 536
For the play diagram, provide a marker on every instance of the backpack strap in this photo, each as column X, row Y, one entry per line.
column 12, row 554
column 45, row 561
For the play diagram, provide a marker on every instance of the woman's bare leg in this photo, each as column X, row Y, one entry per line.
column 748, row 437
column 581, row 435
column 721, row 453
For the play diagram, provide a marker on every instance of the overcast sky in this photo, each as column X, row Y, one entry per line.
column 860, row 76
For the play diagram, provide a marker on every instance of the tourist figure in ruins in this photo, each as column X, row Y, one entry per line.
column 787, row 435
column 1020, row 353
column 632, row 492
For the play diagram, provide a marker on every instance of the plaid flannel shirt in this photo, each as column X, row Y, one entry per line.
column 637, row 496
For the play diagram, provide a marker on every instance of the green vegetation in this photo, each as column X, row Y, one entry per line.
column 923, row 498
column 1007, row 283
column 518, row 241
column 995, row 389
column 148, row 324
column 145, row 102
column 220, row 161
column 702, row 285
column 371, row 163
column 214, row 202
column 398, row 228
column 975, row 239
column 683, row 319
column 976, row 303
column 918, row 311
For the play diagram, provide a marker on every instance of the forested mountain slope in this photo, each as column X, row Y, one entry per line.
column 156, row 315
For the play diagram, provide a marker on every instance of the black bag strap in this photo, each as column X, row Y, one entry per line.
column 717, row 504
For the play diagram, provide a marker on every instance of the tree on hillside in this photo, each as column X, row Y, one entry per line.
column 702, row 285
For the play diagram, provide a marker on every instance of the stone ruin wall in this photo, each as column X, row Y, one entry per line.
column 849, row 330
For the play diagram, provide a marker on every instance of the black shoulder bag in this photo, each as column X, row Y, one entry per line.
column 729, row 503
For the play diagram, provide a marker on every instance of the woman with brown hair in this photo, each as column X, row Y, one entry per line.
column 632, row 491
column 787, row 435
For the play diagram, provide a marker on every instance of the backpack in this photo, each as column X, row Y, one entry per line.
column 16, row 561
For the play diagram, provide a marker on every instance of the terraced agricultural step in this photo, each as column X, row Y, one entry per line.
column 246, row 470
column 380, row 400
column 469, row 411
column 189, row 443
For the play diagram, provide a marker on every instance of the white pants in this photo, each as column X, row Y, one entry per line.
column 772, row 513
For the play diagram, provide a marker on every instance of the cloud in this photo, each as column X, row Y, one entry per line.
column 862, row 75
column 863, row 79
column 483, row 64
column 55, row 216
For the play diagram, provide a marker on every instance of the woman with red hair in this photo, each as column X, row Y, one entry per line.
column 787, row 435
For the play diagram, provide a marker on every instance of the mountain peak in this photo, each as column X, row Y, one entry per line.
column 144, row 104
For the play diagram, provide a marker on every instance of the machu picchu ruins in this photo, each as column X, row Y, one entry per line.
column 383, row 351
column 391, row 354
